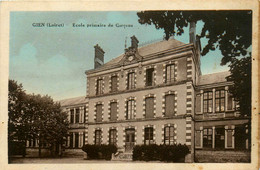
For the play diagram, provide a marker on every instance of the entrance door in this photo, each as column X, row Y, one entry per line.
column 130, row 139
column 220, row 138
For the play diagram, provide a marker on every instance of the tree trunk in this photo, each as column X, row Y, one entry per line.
column 40, row 149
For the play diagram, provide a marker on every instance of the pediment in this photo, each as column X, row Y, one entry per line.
column 131, row 56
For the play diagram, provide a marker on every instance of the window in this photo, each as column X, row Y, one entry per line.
column 77, row 116
column 113, row 111
column 169, row 73
column 98, row 137
column 99, row 113
column 169, row 135
column 149, row 107
column 150, row 77
column 114, row 83
column 207, row 102
column 130, row 109
column 169, row 105
column 131, row 81
column 207, row 138
column 112, row 137
column 99, row 86
column 71, row 140
column 230, row 102
column 72, row 116
column 220, row 101
column 76, row 140
column 148, row 136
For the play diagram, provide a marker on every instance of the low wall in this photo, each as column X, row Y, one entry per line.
column 73, row 153
column 34, row 152
column 222, row 156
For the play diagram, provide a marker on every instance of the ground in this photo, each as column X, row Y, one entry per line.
column 55, row 161
column 20, row 160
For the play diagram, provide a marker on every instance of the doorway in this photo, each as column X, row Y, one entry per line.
column 129, row 139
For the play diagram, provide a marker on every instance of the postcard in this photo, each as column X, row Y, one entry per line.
column 135, row 85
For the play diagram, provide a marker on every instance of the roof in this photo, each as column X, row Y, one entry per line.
column 150, row 49
column 213, row 78
column 73, row 101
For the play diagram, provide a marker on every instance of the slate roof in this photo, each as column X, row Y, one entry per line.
column 73, row 101
column 213, row 78
column 150, row 49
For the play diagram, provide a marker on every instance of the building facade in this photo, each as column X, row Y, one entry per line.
column 156, row 94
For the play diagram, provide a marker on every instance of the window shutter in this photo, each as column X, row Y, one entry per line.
column 198, row 103
column 230, row 101
column 197, row 138
column 169, row 105
column 99, row 113
column 229, row 138
column 113, row 111
column 114, row 83
column 149, row 107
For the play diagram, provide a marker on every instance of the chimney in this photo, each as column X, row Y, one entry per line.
column 134, row 42
column 192, row 32
column 99, row 56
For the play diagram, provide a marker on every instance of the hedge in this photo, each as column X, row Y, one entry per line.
column 99, row 151
column 16, row 148
column 164, row 153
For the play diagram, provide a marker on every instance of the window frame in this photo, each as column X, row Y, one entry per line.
column 206, row 136
column 148, row 135
column 148, row 72
column 207, row 100
column 168, row 138
column 77, row 112
column 114, row 102
column 71, row 140
column 169, row 73
column 131, row 80
column 76, row 140
column 218, row 100
column 114, row 86
column 72, row 116
column 98, row 134
column 130, row 113
column 101, row 105
column 151, row 97
column 99, row 89
column 112, row 137
column 172, row 114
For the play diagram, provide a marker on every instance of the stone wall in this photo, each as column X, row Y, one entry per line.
column 222, row 156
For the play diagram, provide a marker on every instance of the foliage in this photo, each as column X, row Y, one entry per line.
column 230, row 31
column 16, row 148
column 165, row 153
column 17, row 119
column 240, row 70
column 35, row 117
column 48, row 123
column 99, row 151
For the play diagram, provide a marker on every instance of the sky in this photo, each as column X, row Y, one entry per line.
column 53, row 60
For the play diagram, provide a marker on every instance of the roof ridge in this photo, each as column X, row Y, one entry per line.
column 71, row 98
column 216, row 73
